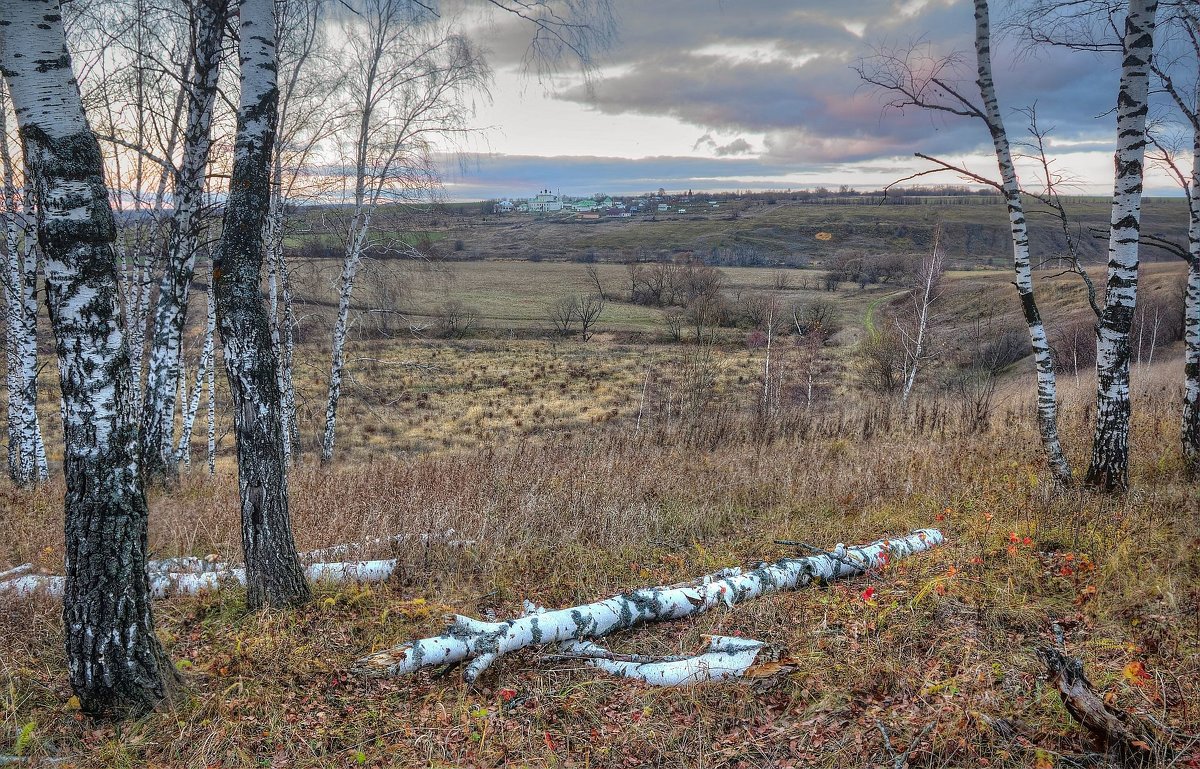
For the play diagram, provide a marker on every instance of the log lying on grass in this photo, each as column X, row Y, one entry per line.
column 166, row 585
column 485, row 642
column 724, row 658
column 189, row 575
column 16, row 571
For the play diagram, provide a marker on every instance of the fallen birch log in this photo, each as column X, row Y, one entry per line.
column 485, row 642
column 16, row 571
column 190, row 575
column 193, row 583
column 724, row 658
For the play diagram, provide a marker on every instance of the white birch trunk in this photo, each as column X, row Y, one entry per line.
column 204, row 580
column 485, row 642
column 1190, row 422
column 26, row 451
column 723, row 659
column 184, row 451
column 930, row 275
column 1109, row 468
column 211, row 387
column 208, row 19
column 1047, row 381
column 114, row 659
column 359, row 227
column 286, row 360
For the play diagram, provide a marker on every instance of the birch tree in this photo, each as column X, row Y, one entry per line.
column 1187, row 101
column 407, row 81
column 915, row 335
column 273, row 573
column 931, row 87
column 207, row 19
column 26, row 450
column 1109, row 468
column 114, row 659
column 308, row 86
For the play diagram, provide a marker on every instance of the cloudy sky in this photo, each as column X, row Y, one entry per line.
column 762, row 94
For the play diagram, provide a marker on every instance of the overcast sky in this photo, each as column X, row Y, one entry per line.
column 754, row 94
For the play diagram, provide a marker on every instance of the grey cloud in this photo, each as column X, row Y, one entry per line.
column 735, row 147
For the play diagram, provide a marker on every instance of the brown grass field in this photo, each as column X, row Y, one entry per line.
column 528, row 446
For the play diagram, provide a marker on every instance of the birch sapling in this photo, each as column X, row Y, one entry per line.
column 924, row 296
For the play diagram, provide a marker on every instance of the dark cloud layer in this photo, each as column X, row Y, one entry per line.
column 783, row 70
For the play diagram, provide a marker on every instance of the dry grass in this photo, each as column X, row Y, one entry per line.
column 579, row 514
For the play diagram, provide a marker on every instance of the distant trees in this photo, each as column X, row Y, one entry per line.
column 584, row 309
column 864, row 269
column 407, row 83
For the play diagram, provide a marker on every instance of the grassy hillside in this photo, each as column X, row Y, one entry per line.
column 977, row 234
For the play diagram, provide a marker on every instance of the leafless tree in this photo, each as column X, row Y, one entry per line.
column 915, row 78
column 408, row 83
column 588, row 309
column 562, row 313
column 915, row 330
column 593, row 273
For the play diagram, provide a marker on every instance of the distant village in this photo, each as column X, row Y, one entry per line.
column 604, row 206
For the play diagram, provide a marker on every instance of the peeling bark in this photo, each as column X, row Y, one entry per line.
column 114, row 659
column 485, row 642
column 1109, row 468
column 274, row 576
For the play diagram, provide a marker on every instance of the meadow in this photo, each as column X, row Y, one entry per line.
column 577, row 470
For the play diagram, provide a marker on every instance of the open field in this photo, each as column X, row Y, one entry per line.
column 946, row 638
column 584, row 469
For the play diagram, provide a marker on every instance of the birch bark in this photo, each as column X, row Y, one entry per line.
column 26, row 452
column 159, row 458
column 114, row 659
column 485, row 642
column 1109, row 468
column 1047, row 382
column 273, row 572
